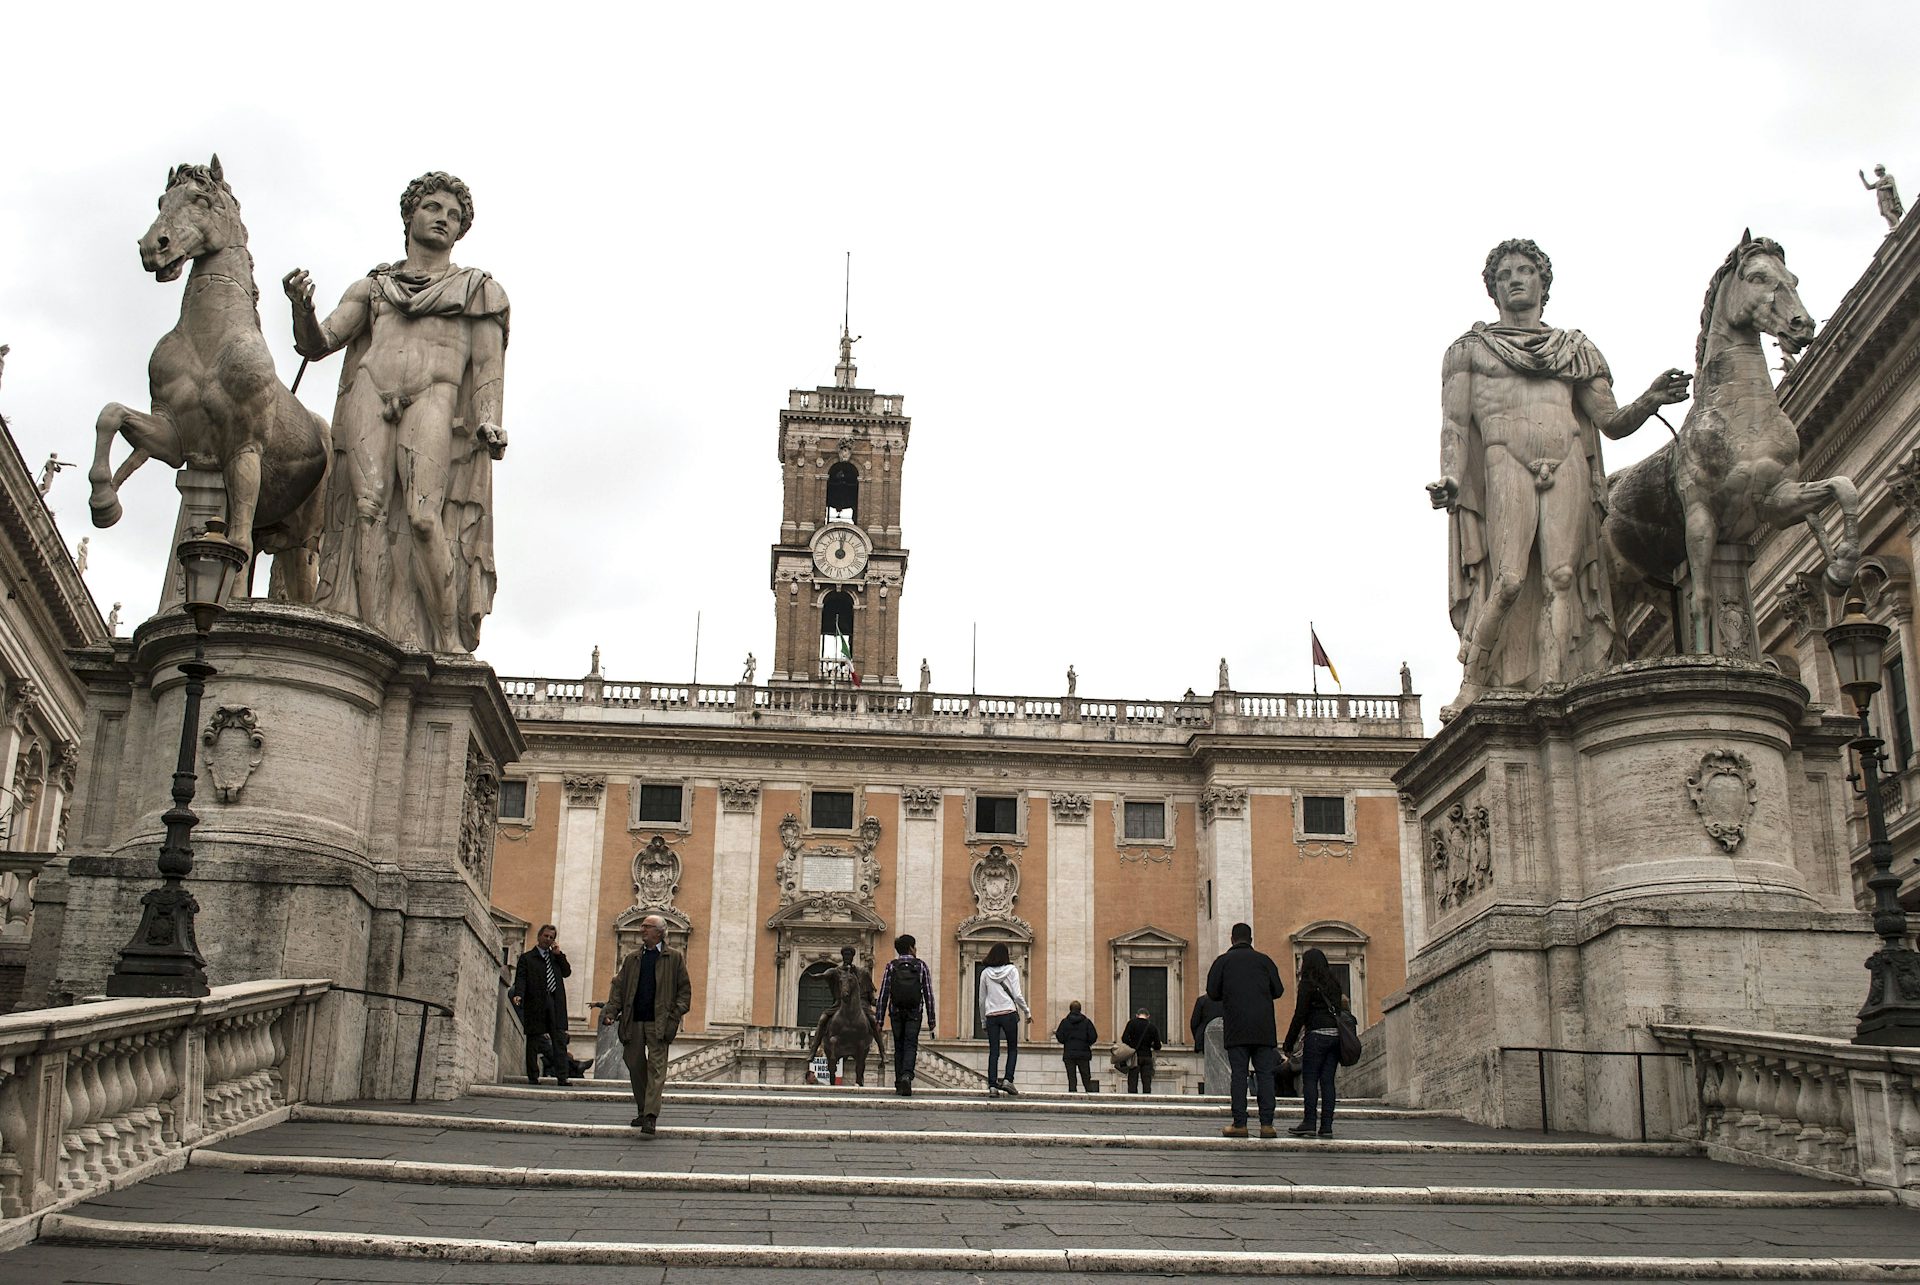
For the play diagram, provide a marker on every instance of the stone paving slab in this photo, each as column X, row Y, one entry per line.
column 679, row 1152
column 302, row 1204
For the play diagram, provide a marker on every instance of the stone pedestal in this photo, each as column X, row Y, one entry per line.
column 1664, row 842
column 346, row 800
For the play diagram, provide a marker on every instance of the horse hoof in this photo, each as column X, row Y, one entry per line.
column 106, row 510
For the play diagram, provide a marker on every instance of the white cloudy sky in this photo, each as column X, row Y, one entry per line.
column 1165, row 287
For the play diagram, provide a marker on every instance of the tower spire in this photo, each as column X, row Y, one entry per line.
column 844, row 374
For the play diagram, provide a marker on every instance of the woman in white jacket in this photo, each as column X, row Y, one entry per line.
column 999, row 998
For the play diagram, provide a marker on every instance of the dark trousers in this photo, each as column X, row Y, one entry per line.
column 1319, row 1059
column 1262, row 1058
column 1080, row 1068
column 1002, row 1026
column 545, row 1044
column 906, row 1045
column 1140, row 1074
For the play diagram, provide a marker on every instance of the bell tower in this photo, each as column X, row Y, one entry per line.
column 839, row 567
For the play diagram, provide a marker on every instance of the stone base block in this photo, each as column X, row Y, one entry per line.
column 1661, row 843
column 345, row 792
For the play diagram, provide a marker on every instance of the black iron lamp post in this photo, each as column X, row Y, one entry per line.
column 163, row 960
column 1892, row 1012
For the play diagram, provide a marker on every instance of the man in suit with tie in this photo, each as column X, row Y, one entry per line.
column 540, row 993
column 650, row 995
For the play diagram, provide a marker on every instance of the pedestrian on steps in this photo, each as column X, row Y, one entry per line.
column 1316, row 1011
column 1246, row 983
column 539, row 994
column 1077, row 1036
column 906, row 995
column 1143, row 1037
column 1000, row 997
column 651, row 994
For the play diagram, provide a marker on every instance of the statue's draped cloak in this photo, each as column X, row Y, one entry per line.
column 467, row 512
column 1540, row 354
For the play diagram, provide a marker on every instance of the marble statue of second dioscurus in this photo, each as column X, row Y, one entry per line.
column 1523, row 408
column 408, row 536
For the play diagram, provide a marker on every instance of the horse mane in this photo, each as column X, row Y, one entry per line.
column 1748, row 247
column 203, row 176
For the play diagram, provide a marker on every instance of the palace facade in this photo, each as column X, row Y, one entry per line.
column 1108, row 843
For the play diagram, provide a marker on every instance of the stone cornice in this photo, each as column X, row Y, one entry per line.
column 57, row 585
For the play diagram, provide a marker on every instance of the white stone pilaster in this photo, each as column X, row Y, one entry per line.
column 916, row 898
column 1070, row 944
column 734, row 921
column 1227, row 852
column 576, row 893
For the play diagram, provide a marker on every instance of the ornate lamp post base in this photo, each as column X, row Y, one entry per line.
column 1892, row 1013
column 163, row 960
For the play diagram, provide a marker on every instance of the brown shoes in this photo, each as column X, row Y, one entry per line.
column 1234, row 1131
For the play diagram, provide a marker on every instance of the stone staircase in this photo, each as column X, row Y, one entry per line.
column 790, row 1184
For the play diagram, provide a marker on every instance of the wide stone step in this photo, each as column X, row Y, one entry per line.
column 932, row 1092
column 1065, row 1104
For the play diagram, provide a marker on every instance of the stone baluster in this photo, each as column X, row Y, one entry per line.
column 214, row 1091
column 1713, row 1095
column 1784, row 1107
column 73, row 1141
column 13, row 1133
column 1906, row 1127
column 115, row 1098
column 1810, row 1109
column 1743, row 1119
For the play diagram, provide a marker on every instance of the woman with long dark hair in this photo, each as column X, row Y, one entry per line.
column 1317, row 1005
column 999, row 998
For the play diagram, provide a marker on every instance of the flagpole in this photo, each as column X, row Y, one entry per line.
column 1311, row 635
column 696, row 649
column 973, row 682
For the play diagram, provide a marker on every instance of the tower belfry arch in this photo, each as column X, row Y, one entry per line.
column 838, row 567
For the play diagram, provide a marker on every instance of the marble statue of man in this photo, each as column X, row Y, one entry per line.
column 408, row 542
column 1523, row 407
column 1886, row 194
column 1073, row 682
column 746, row 673
column 926, row 676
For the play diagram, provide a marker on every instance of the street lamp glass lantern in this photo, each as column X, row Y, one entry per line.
column 1857, row 645
column 210, row 561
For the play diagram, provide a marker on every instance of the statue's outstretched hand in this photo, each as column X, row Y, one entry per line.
column 1670, row 386
column 494, row 438
column 299, row 286
column 1444, row 494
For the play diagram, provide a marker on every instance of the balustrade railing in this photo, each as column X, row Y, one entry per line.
column 93, row 1093
column 19, row 872
column 1801, row 1102
column 835, row 697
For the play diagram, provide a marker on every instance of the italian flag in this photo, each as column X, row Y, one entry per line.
column 846, row 654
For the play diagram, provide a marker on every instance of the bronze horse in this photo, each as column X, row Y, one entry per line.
column 217, row 401
column 1733, row 465
column 847, row 1031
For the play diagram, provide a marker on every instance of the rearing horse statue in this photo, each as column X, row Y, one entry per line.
column 217, row 402
column 1734, row 462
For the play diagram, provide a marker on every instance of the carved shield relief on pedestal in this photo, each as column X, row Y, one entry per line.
column 233, row 746
column 1723, row 790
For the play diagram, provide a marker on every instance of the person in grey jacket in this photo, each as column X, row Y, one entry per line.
column 1077, row 1036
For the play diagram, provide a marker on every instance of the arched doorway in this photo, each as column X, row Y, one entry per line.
column 816, row 995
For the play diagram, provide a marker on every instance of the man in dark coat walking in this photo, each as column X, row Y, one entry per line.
column 1077, row 1035
column 540, row 994
column 1246, row 983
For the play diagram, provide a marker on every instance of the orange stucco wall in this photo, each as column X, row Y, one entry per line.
column 1133, row 894
column 523, row 859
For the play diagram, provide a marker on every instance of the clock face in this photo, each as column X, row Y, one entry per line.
column 840, row 552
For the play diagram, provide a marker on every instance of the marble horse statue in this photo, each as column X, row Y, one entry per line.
column 217, row 402
column 1734, row 464
column 847, row 1029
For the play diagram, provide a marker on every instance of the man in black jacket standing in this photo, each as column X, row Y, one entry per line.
column 540, row 993
column 1246, row 983
column 1077, row 1035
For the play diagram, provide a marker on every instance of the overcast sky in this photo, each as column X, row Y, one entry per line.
column 1165, row 288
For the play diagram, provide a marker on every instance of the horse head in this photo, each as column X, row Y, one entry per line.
column 1754, row 291
column 198, row 216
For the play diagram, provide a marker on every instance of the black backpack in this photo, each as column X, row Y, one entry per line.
column 904, row 994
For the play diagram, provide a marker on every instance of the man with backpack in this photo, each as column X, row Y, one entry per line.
column 906, row 996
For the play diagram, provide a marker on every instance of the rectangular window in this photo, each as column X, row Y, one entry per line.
column 513, row 800
column 660, row 804
column 1146, row 820
column 1323, row 814
column 1147, row 988
column 996, row 814
column 832, row 810
column 1901, row 723
column 1343, row 973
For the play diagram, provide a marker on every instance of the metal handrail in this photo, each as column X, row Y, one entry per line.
column 1540, row 1052
column 420, row 1046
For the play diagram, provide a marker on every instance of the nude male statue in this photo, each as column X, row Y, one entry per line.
column 1522, row 408
column 408, row 545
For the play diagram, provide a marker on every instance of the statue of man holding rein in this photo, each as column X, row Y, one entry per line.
column 1523, row 407
column 408, row 540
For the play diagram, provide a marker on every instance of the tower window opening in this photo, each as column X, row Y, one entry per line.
column 836, row 622
column 843, row 493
